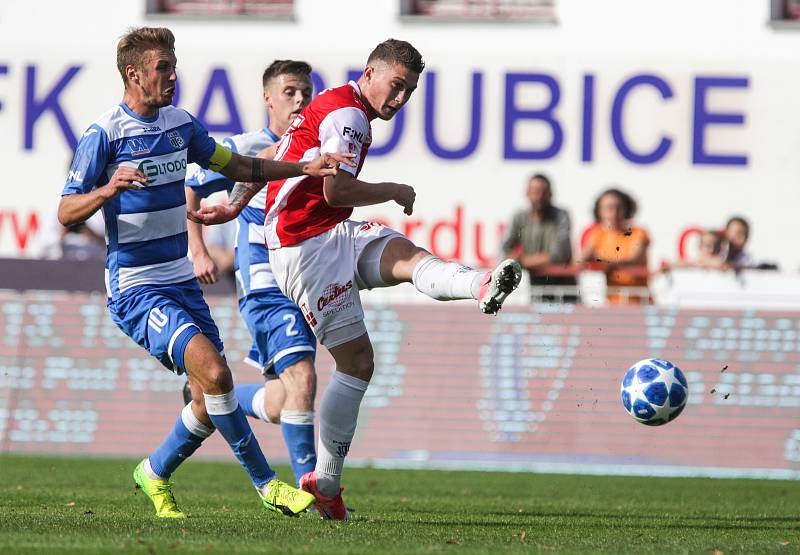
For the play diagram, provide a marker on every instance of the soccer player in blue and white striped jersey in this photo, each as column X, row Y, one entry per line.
column 283, row 344
column 132, row 163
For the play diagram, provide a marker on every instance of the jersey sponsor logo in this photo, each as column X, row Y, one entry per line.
column 74, row 176
column 357, row 136
column 138, row 146
column 152, row 129
column 175, row 139
column 164, row 169
column 334, row 295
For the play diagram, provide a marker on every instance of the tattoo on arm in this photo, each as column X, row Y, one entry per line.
column 258, row 170
column 243, row 192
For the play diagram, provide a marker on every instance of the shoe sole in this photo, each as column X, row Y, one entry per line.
column 505, row 279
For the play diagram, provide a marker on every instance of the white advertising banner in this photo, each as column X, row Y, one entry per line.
column 692, row 109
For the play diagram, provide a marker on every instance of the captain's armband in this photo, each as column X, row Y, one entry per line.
column 220, row 158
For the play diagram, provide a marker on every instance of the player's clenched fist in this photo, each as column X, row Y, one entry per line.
column 405, row 197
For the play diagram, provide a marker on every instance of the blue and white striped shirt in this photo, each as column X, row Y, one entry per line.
column 145, row 229
column 251, row 259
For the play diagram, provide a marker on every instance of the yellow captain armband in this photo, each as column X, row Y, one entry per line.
column 220, row 158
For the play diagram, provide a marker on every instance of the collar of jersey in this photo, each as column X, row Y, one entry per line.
column 136, row 116
column 268, row 132
column 355, row 86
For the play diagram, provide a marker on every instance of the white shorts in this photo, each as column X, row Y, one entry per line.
column 321, row 275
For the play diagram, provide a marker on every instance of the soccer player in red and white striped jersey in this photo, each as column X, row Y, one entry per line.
column 321, row 258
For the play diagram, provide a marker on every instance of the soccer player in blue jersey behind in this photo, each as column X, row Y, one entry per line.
column 132, row 163
column 284, row 345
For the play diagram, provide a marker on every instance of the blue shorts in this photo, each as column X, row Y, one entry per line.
column 281, row 336
column 163, row 318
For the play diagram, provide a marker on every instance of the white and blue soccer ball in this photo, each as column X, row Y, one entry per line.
column 654, row 391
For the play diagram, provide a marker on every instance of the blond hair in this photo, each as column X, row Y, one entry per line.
column 134, row 45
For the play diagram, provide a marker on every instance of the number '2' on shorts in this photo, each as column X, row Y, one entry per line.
column 281, row 336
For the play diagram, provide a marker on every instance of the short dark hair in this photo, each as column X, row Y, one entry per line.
column 134, row 44
column 394, row 51
column 285, row 67
column 628, row 204
column 739, row 220
column 543, row 178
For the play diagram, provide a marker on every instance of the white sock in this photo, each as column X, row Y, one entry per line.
column 338, row 414
column 258, row 405
column 446, row 281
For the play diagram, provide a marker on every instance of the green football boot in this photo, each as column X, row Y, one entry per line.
column 159, row 492
column 285, row 499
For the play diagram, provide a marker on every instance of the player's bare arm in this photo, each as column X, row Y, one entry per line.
column 259, row 170
column 345, row 190
column 205, row 269
column 77, row 208
column 252, row 174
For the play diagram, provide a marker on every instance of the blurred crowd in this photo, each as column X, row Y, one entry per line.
column 539, row 237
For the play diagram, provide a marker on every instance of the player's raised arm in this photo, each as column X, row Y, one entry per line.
column 344, row 189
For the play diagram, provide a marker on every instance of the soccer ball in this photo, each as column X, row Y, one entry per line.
column 654, row 391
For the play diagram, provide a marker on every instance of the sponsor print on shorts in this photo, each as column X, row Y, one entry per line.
column 335, row 298
column 308, row 314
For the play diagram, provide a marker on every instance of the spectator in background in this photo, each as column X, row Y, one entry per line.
column 540, row 236
column 708, row 253
column 723, row 250
column 732, row 254
column 618, row 245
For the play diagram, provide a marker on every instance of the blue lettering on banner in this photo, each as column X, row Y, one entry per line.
column 616, row 119
column 48, row 100
column 475, row 121
column 37, row 107
column 545, row 114
column 587, row 146
column 218, row 81
column 3, row 71
column 704, row 118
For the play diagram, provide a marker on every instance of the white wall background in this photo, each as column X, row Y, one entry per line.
column 611, row 39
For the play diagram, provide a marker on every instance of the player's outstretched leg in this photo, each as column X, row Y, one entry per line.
column 222, row 408
column 402, row 261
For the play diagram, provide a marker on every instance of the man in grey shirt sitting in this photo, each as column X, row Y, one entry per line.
column 539, row 237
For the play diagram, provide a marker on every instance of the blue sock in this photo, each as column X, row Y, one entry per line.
column 229, row 418
column 245, row 393
column 298, row 433
column 184, row 439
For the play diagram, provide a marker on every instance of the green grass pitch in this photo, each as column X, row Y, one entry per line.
column 57, row 505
